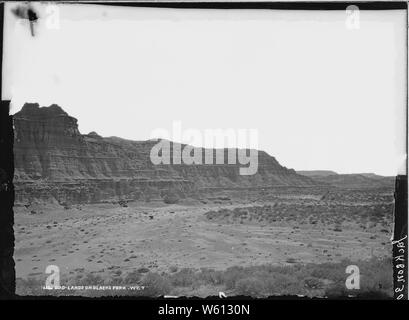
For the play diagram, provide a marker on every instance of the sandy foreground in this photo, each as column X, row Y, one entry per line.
column 109, row 239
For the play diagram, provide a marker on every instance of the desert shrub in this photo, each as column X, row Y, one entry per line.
column 337, row 290
column 232, row 275
column 282, row 284
column 143, row 270
column 171, row 198
column 330, row 271
column 183, row 278
column 173, row 269
column 211, row 276
column 377, row 275
column 132, row 277
column 155, row 285
column 288, row 270
column 123, row 203
column 313, row 283
column 251, row 286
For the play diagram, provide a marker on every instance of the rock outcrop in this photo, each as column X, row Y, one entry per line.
column 54, row 162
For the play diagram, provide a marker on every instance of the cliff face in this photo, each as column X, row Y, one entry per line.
column 55, row 162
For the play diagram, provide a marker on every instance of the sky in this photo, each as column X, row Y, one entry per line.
column 321, row 96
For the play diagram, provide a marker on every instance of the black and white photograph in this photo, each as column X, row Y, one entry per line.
column 165, row 151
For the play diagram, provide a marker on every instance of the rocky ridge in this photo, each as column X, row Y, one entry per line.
column 54, row 162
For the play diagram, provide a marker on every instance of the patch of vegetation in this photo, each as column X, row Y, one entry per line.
column 143, row 270
column 326, row 279
column 171, row 197
column 183, row 278
column 250, row 286
column 316, row 212
column 155, row 285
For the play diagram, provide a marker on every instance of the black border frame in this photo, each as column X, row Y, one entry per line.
column 7, row 272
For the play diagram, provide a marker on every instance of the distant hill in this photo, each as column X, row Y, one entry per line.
column 317, row 173
column 351, row 181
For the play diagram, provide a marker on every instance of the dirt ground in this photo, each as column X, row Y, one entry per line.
column 111, row 239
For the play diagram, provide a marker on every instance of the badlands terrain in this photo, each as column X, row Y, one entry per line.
column 96, row 208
